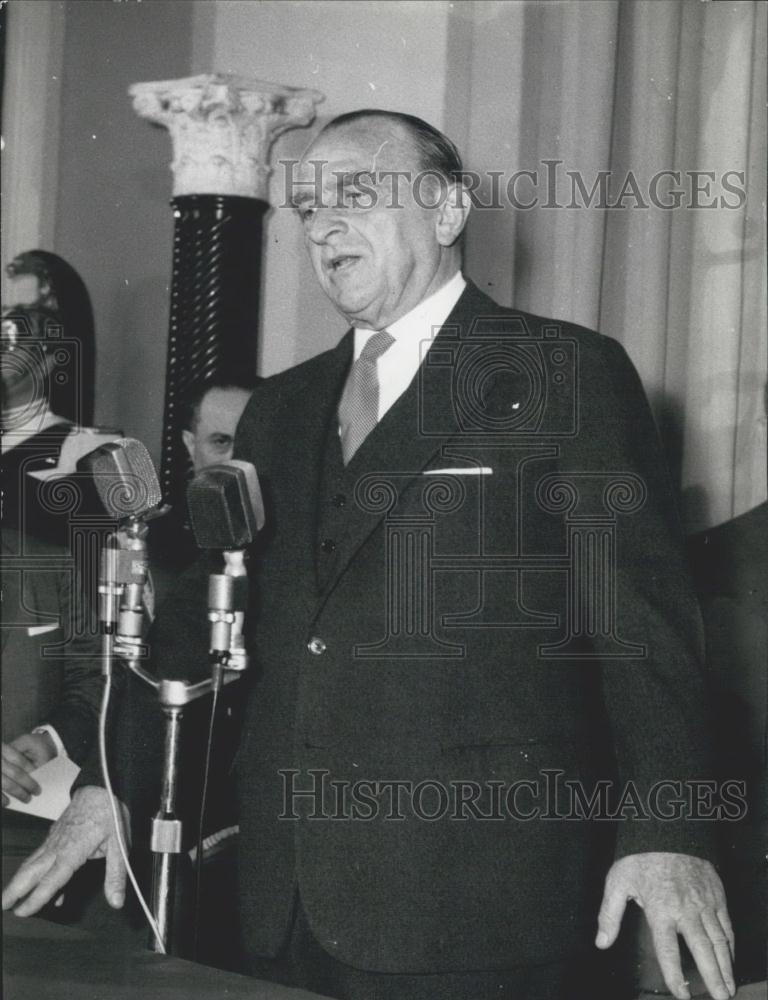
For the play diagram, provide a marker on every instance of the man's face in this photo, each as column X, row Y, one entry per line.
column 213, row 437
column 374, row 261
column 25, row 364
column 27, row 289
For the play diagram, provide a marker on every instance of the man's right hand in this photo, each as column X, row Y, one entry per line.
column 85, row 830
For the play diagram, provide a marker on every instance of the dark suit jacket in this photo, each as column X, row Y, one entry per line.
column 51, row 670
column 730, row 571
column 49, row 509
column 412, row 628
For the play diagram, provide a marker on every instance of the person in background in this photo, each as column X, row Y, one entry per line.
column 51, row 669
column 41, row 278
column 206, row 929
column 44, row 592
column 39, row 442
column 210, row 415
column 48, row 369
column 47, row 364
column 51, row 680
column 51, row 694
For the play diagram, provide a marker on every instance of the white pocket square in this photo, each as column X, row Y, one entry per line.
column 466, row 470
column 40, row 629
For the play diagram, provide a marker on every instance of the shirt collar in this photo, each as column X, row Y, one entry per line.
column 424, row 320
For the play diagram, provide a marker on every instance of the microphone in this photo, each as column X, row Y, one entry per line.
column 225, row 506
column 124, row 477
column 226, row 511
column 128, row 487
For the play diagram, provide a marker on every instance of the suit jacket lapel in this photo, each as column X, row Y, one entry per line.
column 303, row 429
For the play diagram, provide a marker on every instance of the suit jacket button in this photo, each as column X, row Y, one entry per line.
column 316, row 645
column 328, row 546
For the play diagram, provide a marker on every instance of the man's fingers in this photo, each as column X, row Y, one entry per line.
column 39, row 748
column 721, row 912
column 114, row 876
column 668, row 954
column 15, row 757
column 48, row 887
column 725, row 922
column 15, row 790
column 83, row 831
column 28, row 875
column 714, row 944
column 611, row 912
column 16, row 771
column 18, row 782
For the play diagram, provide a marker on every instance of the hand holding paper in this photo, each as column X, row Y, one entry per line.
column 17, row 779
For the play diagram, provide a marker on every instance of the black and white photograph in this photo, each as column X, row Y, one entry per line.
column 383, row 499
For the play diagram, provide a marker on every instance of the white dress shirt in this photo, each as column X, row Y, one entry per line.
column 413, row 334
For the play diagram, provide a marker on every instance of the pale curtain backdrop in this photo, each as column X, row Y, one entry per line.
column 641, row 87
column 599, row 85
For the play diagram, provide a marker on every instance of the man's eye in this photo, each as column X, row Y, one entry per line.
column 221, row 441
column 357, row 199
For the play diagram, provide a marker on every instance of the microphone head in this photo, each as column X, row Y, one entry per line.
column 225, row 505
column 124, row 477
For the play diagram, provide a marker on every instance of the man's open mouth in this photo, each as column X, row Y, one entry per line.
column 342, row 262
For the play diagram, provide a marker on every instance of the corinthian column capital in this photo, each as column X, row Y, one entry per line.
column 222, row 127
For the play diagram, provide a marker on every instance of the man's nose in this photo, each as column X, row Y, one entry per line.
column 324, row 222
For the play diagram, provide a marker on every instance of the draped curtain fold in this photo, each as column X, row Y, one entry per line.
column 633, row 90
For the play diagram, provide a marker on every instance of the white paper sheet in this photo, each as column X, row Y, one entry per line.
column 55, row 779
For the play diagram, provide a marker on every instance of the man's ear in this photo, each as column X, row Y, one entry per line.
column 452, row 214
column 188, row 438
column 49, row 373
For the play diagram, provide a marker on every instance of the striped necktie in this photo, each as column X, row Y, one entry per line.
column 359, row 406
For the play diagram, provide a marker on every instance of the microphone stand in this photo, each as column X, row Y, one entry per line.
column 109, row 597
column 227, row 597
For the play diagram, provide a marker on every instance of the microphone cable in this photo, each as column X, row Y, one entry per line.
column 117, row 821
column 201, row 824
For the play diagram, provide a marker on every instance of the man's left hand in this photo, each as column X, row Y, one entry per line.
column 679, row 894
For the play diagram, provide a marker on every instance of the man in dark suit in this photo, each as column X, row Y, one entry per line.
column 40, row 448
column 51, row 687
column 471, row 583
column 50, row 693
column 50, row 702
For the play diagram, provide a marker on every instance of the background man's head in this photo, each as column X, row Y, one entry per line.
column 382, row 206
column 28, row 358
column 43, row 279
column 211, row 416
